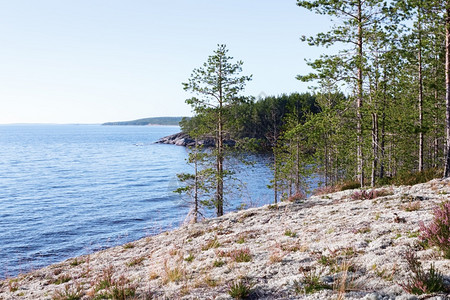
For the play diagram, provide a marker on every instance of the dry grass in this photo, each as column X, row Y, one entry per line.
column 174, row 274
column 214, row 243
column 345, row 282
column 412, row 206
column 276, row 257
column 136, row 261
column 128, row 246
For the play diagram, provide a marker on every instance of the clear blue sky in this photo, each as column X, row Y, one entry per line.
column 92, row 61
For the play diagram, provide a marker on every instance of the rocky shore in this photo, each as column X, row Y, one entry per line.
column 354, row 248
column 183, row 139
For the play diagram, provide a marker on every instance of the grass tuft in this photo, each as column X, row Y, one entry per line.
column 240, row 289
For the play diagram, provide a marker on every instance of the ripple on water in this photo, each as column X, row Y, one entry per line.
column 67, row 190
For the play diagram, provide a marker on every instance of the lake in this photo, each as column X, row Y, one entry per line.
column 68, row 190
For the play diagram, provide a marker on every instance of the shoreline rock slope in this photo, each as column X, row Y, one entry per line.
column 270, row 248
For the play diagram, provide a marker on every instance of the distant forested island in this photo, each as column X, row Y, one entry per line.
column 150, row 121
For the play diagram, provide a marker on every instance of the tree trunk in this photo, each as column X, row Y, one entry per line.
column 447, row 88
column 436, row 114
column 420, row 167
column 196, row 183
column 359, row 99
column 219, row 158
column 374, row 147
column 297, row 169
column 383, row 133
column 219, row 168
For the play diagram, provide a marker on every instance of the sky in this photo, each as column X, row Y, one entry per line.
column 94, row 61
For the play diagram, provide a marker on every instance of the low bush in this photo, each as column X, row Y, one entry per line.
column 237, row 255
column 297, row 196
column 364, row 195
column 323, row 190
column 437, row 233
column 411, row 178
column 421, row 281
column 310, row 283
column 290, row 233
column 350, row 185
column 218, row 263
column 411, row 206
column 241, row 255
column 74, row 292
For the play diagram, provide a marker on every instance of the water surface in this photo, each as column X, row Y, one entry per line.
column 67, row 190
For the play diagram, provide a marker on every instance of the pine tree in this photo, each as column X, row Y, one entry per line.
column 217, row 83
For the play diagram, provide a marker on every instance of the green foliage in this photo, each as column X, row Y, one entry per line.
column 394, row 72
column 240, row 289
column 437, row 233
column 218, row 263
column 290, row 233
column 190, row 258
column 217, row 84
column 74, row 292
column 240, row 255
column 415, row 177
column 421, row 281
column 350, row 185
column 251, row 123
column 214, row 243
column 310, row 283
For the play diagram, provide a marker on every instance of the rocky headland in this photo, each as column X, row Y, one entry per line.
column 183, row 139
column 333, row 246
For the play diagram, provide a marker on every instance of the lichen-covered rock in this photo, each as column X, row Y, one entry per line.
column 347, row 247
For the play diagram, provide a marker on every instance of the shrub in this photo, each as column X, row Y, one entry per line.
column 240, row 289
column 276, row 257
column 290, row 233
column 218, row 263
column 13, row 285
column 122, row 289
column 310, row 282
column 272, row 207
column 190, row 258
column 344, row 282
column 62, row 279
column 74, row 292
column 323, row 190
column 106, row 280
column 411, row 178
column 297, row 196
column 350, row 185
column 421, row 282
column 240, row 255
column 128, row 246
column 76, row 262
column 412, row 206
column 241, row 239
column 136, row 261
column 438, row 232
column 364, row 195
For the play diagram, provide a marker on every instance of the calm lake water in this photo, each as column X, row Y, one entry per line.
column 68, row 190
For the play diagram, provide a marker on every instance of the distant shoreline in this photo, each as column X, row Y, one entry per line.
column 157, row 121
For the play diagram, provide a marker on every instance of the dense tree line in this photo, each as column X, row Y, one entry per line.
column 256, row 124
column 393, row 64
